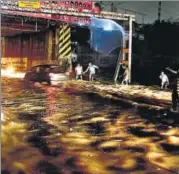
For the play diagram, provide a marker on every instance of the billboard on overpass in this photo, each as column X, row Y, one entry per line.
column 29, row 4
column 40, row 5
column 80, row 5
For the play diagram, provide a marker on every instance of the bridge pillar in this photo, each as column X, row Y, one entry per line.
column 50, row 45
column 2, row 46
column 64, row 46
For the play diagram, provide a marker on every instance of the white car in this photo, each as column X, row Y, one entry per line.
column 52, row 74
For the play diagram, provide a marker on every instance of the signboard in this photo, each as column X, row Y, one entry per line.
column 40, row 5
column 29, row 4
column 80, row 5
column 18, row 64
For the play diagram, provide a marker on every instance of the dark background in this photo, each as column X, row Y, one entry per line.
column 158, row 50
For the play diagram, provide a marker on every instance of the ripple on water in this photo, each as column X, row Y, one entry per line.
column 74, row 133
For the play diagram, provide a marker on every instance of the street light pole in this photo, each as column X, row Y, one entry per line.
column 130, row 49
column 159, row 10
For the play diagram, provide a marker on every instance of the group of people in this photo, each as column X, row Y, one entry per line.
column 175, row 86
column 91, row 69
column 125, row 80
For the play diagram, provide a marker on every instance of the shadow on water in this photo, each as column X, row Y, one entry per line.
column 170, row 148
column 44, row 167
column 96, row 128
column 138, row 131
column 166, row 117
column 101, row 101
column 41, row 129
column 37, row 138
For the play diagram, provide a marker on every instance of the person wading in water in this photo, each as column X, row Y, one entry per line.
column 125, row 76
column 175, row 89
column 164, row 80
column 92, row 71
column 79, row 72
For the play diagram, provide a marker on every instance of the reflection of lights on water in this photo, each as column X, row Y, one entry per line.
column 173, row 140
column 10, row 72
column 2, row 116
column 51, row 93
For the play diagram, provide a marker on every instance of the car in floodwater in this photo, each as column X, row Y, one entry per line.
column 49, row 73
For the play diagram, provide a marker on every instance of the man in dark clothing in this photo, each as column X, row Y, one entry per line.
column 175, row 89
column 74, row 59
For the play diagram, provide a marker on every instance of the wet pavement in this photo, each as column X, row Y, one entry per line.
column 52, row 130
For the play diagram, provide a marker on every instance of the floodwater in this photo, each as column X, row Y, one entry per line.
column 52, row 130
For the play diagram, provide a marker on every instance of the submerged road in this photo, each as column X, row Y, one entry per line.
column 52, row 130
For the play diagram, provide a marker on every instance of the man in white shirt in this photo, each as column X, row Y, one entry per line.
column 79, row 71
column 92, row 71
column 164, row 80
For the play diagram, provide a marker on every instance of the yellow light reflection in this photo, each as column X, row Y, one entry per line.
column 2, row 116
column 10, row 72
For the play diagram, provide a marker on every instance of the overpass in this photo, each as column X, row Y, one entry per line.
column 37, row 33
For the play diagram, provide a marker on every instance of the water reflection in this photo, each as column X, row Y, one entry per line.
column 54, row 130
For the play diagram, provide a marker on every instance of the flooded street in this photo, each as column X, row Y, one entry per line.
column 52, row 130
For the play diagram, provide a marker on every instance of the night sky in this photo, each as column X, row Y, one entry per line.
column 170, row 10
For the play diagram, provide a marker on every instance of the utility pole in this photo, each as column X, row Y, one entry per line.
column 130, row 50
column 159, row 10
column 129, row 53
column 112, row 7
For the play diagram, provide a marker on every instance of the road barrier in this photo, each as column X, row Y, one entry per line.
column 65, row 50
